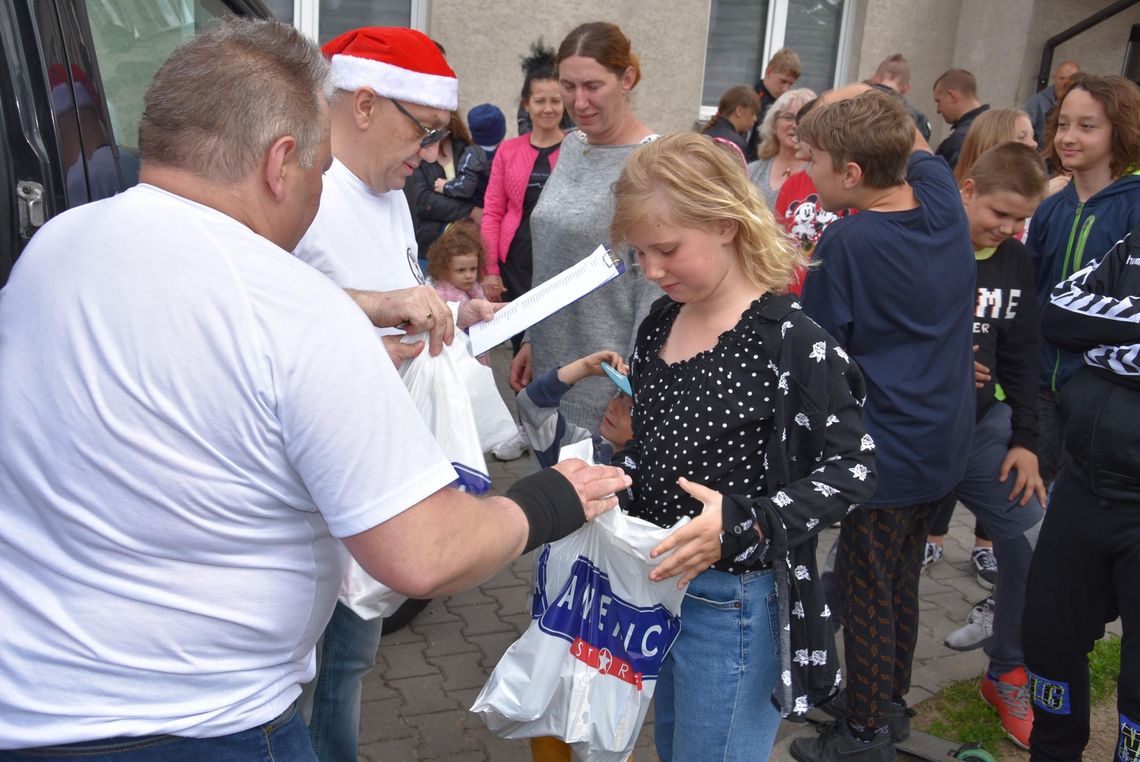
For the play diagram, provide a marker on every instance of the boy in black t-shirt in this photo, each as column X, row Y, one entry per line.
column 1003, row 485
column 895, row 287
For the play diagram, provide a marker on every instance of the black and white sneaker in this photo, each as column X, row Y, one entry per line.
column 931, row 556
column 986, row 567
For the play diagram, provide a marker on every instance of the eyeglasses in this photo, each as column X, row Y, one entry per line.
column 430, row 136
column 784, row 116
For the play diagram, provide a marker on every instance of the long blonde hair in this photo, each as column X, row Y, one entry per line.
column 997, row 125
column 691, row 182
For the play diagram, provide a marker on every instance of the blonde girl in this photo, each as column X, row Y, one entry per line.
column 998, row 125
column 747, row 419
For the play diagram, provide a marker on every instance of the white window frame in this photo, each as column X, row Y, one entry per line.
column 777, row 27
column 307, row 16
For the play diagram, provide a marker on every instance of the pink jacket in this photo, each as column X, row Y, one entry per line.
column 503, row 204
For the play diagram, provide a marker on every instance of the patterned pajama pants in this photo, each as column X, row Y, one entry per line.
column 878, row 564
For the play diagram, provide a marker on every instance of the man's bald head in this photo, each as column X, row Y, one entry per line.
column 843, row 93
column 1063, row 75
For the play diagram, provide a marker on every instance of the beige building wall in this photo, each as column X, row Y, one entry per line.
column 924, row 31
column 485, row 41
column 1000, row 42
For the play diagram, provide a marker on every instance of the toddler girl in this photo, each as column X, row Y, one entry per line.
column 455, row 260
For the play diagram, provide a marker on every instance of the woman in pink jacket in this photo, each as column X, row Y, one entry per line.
column 518, row 173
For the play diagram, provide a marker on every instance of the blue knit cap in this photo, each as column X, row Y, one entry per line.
column 487, row 124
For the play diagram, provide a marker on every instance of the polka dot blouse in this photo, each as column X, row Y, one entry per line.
column 706, row 418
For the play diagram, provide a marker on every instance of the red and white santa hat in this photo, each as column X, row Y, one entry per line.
column 394, row 62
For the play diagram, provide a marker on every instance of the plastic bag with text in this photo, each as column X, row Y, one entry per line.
column 586, row 667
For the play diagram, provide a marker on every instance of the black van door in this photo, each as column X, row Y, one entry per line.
column 72, row 78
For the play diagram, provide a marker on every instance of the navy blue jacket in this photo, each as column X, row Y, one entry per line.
column 1064, row 236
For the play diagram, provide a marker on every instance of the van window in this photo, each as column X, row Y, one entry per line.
column 132, row 39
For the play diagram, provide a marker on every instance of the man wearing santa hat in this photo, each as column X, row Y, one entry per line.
column 195, row 426
column 393, row 97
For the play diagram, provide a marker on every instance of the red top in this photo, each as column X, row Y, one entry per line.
column 798, row 210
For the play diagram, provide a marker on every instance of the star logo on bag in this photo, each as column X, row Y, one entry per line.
column 605, row 658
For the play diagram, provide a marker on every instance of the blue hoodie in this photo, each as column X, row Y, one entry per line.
column 1064, row 236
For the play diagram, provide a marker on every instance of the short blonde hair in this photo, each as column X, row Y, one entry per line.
column 785, row 61
column 691, row 182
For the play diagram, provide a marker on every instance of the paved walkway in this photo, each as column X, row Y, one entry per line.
column 428, row 674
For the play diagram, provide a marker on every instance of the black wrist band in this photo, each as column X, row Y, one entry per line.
column 551, row 506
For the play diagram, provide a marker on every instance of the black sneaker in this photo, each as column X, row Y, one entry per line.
column 898, row 718
column 836, row 743
column 985, row 564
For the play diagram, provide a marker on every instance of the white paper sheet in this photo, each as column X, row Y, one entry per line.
column 545, row 299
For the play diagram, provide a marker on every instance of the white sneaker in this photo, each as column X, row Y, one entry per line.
column 977, row 631
column 513, row 448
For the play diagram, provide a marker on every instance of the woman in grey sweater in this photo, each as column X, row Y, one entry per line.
column 596, row 72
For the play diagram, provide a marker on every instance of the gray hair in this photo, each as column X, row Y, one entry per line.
column 222, row 98
column 790, row 102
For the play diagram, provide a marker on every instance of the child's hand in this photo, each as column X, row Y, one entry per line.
column 475, row 311
column 438, row 186
column 697, row 543
column 981, row 372
column 591, row 365
column 522, row 370
column 1029, row 482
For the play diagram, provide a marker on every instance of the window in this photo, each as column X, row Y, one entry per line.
column 325, row 19
column 813, row 32
column 735, row 46
column 132, row 39
column 743, row 35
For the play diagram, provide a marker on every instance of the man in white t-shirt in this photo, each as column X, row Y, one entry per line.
column 191, row 418
column 393, row 97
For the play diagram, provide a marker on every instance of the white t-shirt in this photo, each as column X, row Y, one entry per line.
column 362, row 239
column 189, row 416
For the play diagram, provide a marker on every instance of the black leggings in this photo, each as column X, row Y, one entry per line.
column 1085, row 572
column 941, row 526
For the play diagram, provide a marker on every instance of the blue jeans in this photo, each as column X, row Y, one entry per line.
column 714, row 694
column 345, row 654
column 1012, row 527
column 283, row 739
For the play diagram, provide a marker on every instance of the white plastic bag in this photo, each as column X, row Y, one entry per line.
column 493, row 418
column 586, row 667
column 440, row 387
